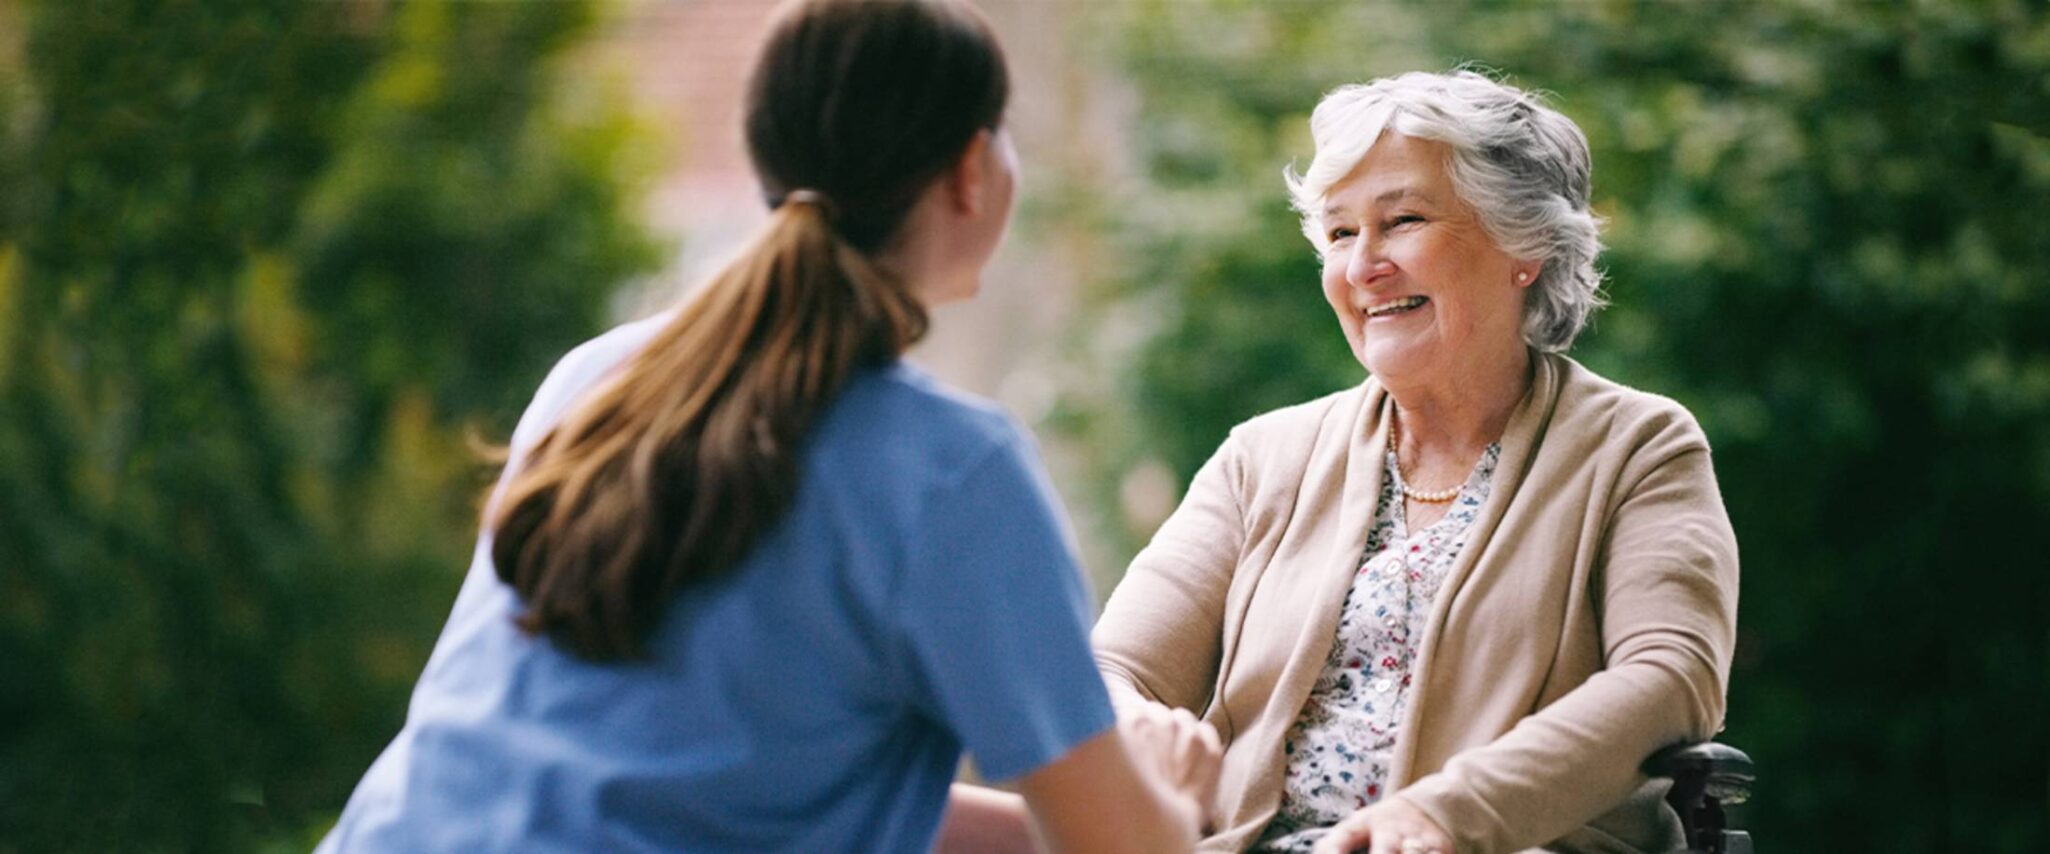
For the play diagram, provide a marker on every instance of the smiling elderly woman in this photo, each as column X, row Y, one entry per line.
column 1455, row 607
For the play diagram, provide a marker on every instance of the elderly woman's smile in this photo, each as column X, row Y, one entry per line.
column 1395, row 306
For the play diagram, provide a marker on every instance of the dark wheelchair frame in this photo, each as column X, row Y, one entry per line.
column 1706, row 777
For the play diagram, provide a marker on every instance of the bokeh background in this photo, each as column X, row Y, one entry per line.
column 271, row 271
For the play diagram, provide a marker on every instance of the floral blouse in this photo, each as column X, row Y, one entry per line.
column 1340, row 748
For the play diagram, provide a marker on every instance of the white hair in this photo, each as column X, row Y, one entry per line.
column 1522, row 166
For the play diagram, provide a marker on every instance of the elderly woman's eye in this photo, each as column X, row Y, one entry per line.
column 1338, row 233
column 1400, row 221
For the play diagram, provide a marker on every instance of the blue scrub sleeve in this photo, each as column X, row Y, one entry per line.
column 996, row 615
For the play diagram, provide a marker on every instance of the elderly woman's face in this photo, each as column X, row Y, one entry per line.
column 1418, row 286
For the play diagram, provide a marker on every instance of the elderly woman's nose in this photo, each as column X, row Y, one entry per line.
column 1365, row 263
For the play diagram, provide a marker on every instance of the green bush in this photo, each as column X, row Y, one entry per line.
column 263, row 264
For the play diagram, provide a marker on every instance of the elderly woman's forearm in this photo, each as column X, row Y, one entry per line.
column 1125, row 689
column 1668, row 600
column 1161, row 632
column 1572, row 761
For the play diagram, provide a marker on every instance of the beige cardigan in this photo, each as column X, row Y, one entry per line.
column 1588, row 621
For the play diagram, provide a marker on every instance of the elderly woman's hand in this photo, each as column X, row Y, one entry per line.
column 1389, row 827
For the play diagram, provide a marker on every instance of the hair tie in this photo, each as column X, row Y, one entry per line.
column 805, row 196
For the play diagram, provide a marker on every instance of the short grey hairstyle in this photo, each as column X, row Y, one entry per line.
column 1521, row 165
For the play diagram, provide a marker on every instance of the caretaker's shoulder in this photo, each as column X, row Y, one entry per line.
column 580, row 370
column 899, row 409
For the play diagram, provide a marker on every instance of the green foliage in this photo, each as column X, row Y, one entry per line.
column 1827, row 240
column 262, row 264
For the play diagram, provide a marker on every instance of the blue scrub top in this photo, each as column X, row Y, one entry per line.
column 921, row 597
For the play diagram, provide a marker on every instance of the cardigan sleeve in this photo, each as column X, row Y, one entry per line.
column 1667, row 597
column 1160, row 636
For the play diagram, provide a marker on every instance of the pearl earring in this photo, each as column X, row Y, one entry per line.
column 1522, row 277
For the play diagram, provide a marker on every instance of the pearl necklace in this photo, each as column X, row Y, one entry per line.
column 1424, row 495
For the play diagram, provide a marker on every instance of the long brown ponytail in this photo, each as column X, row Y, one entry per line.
column 671, row 471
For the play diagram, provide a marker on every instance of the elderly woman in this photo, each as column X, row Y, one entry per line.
column 1453, row 608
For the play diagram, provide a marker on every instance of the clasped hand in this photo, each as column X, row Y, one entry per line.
column 1181, row 753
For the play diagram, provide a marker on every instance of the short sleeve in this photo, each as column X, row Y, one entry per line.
column 995, row 617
